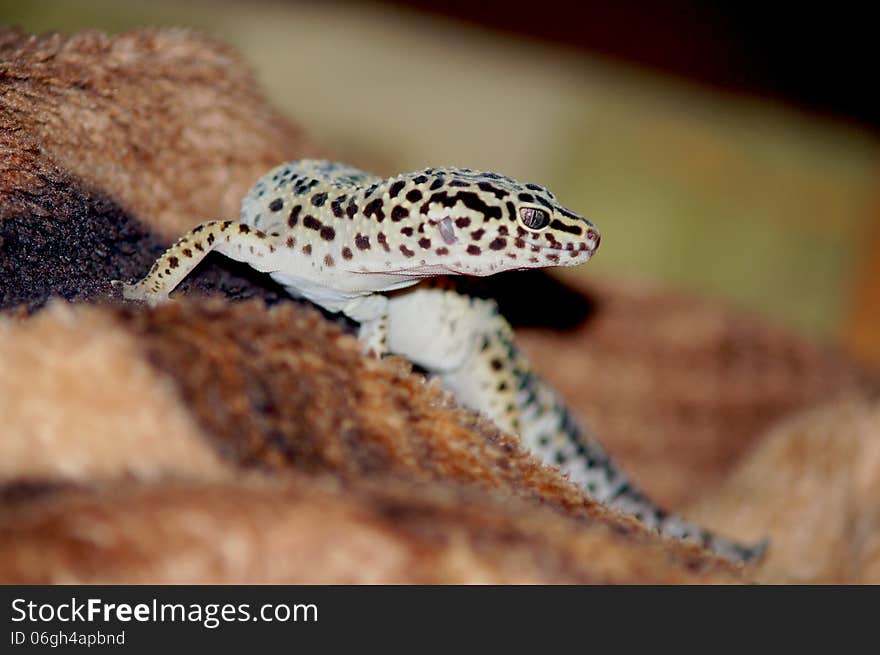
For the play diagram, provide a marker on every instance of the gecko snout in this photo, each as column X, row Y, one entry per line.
column 593, row 238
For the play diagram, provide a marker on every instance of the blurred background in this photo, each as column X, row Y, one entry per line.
column 732, row 152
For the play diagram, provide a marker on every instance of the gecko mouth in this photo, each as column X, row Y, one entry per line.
column 582, row 251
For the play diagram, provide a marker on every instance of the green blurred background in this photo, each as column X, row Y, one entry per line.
column 704, row 189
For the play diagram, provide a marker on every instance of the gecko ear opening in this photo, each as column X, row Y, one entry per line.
column 447, row 231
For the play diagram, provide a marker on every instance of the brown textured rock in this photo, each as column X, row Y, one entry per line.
column 314, row 530
column 80, row 403
column 427, row 492
column 167, row 123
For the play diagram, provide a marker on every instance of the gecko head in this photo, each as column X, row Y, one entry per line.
column 485, row 223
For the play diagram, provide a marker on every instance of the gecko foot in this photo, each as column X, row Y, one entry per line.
column 138, row 293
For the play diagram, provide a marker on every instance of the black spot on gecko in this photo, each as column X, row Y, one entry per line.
column 243, row 228
column 291, row 242
column 276, row 205
column 459, row 183
column 328, row 261
column 469, row 199
column 502, row 231
column 519, row 243
column 399, row 213
column 210, row 239
column 437, row 183
column 362, row 242
column 187, row 252
column 425, row 243
column 407, row 231
column 352, row 209
column 198, row 228
column 374, row 207
column 442, row 251
column 526, row 197
column 490, row 188
column 568, row 214
column 293, row 217
column 553, row 257
column 328, row 233
column 396, row 188
column 498, row 244
column 346, row 253
column 319, row 199
column 511, row 210
column 473, row 250
column 414, row 195
column 407, row 252
column 311, row 222
column 476, row 235
column 307, row 249
column 534, row 187
column 496, row 364
column 172, row 263
column 420, row 179
column 566, row 227
column 336, row 207
column 383, row 241
column 462, row 222
column 198, row 246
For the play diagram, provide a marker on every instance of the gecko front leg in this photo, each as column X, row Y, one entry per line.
column 374, row 336
column 234, row 239
column 487, row 379
column 451, row 336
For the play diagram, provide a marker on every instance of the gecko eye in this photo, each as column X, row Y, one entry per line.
column 534, row 218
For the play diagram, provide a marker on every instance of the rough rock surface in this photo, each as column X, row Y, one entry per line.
column 236, row 440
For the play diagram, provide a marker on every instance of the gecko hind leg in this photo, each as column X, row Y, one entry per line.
column 234, row 239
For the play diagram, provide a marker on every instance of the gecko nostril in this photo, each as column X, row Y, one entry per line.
column 593, row 235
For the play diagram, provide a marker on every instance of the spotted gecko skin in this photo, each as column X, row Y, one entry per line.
column 342, row 239
column 492, row 376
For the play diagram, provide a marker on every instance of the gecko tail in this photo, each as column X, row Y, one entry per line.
column 629, row 500
column 737, row 552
